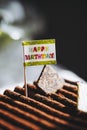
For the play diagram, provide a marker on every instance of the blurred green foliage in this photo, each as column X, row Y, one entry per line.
column 5, row 39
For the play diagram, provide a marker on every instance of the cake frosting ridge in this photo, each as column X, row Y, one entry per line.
column 41, row 111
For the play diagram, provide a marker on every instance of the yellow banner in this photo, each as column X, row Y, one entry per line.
column 39, row 52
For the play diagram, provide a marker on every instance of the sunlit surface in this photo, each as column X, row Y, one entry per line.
column 82, row 99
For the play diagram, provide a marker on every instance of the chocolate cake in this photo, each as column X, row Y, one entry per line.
column 40, row 110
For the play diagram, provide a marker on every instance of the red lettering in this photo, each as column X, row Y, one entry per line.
column 42, row 48
column 39, row 56
column 36, row 56
column 51, row 55
column 27, row 57
column 35, row 49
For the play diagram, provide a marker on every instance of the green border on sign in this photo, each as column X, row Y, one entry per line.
column 39, row 63
column 34, row 42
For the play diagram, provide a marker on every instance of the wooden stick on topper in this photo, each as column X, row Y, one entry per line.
column 25, row 82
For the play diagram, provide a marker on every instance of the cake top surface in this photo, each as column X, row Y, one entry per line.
column 41, row 110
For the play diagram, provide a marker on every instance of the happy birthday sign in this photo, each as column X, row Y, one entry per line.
column 39, row 52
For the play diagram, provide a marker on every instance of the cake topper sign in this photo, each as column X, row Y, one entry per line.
column 38, row 52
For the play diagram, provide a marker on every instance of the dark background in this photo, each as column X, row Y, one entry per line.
column 66, row 21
